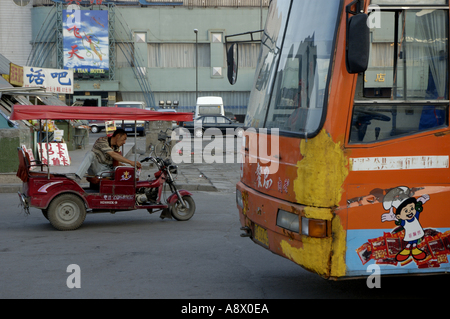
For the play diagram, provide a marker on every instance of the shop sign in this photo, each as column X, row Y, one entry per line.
column 15, row 75
column 54, row 80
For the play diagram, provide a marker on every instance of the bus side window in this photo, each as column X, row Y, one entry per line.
column 407, row 77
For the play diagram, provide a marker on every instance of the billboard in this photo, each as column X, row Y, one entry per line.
column 54, row 80
column 86, row 41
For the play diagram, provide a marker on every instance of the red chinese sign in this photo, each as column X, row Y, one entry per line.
column 15, row 75
column 58, row 155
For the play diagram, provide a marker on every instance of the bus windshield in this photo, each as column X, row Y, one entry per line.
column 294, row 64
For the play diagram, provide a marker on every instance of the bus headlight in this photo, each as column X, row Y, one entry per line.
column 288, row 221
column 314, row 227
column 239, row 201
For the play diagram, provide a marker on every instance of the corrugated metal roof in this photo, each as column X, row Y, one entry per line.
column 51, row 100
column 4, row 65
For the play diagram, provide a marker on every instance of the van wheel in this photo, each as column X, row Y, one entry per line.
column 66, row 212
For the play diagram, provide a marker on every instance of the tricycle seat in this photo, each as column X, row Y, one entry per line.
column 120, row 174
column 25, row 164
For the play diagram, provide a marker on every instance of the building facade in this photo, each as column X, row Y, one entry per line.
column 150, row 52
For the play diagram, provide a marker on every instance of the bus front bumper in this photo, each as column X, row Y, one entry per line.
column 311, row 237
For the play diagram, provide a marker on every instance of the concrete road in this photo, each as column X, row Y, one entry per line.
column 137, row 255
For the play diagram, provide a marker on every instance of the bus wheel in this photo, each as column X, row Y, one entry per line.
column 66, row 212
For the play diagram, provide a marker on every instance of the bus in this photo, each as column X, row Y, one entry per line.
column 345, row 158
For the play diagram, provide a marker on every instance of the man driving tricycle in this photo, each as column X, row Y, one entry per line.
column 105, row 152
column 64, row 202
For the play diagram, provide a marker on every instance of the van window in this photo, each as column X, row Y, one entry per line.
column 209, row 109
column 405, row 88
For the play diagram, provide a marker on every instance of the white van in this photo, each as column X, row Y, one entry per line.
column 207, row 105
column 129, row 125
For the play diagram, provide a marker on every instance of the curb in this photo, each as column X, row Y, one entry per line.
column 10, row 188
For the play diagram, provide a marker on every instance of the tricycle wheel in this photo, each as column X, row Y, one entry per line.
column 184, row 213
column 66, row 212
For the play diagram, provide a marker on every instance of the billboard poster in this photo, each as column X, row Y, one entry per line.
column 86, row 41
column 54, row 80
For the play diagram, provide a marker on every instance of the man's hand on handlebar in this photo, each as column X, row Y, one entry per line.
column 150, row 158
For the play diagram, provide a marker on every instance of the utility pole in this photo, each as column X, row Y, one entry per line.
column 196, row 65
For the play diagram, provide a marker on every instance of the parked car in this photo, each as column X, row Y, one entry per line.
column 129, row 125
column 199, row 126
column 96, row 125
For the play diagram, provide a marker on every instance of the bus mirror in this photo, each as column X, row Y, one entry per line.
column 232, row 62
column 358, row 43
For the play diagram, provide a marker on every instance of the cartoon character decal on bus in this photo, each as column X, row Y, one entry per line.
column 405, row 212
column 409, row 242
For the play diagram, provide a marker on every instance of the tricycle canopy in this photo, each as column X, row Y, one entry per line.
column 54, row 112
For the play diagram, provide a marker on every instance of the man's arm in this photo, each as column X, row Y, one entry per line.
column 122, row 159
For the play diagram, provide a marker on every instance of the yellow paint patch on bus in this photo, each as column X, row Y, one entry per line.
column 318, row 213
column 314, row 255
column 245, row 203
column 321, row 172
column 338, row 266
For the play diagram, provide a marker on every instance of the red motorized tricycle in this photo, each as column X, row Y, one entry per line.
column 65, row 203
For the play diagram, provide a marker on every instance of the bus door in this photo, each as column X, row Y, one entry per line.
column 398, row 145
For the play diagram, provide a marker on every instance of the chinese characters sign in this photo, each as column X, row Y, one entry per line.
column 86, row 41
column 15, row 75
column 380, row 78
column 399, row 163
column 58, row 154
column 54, row 80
